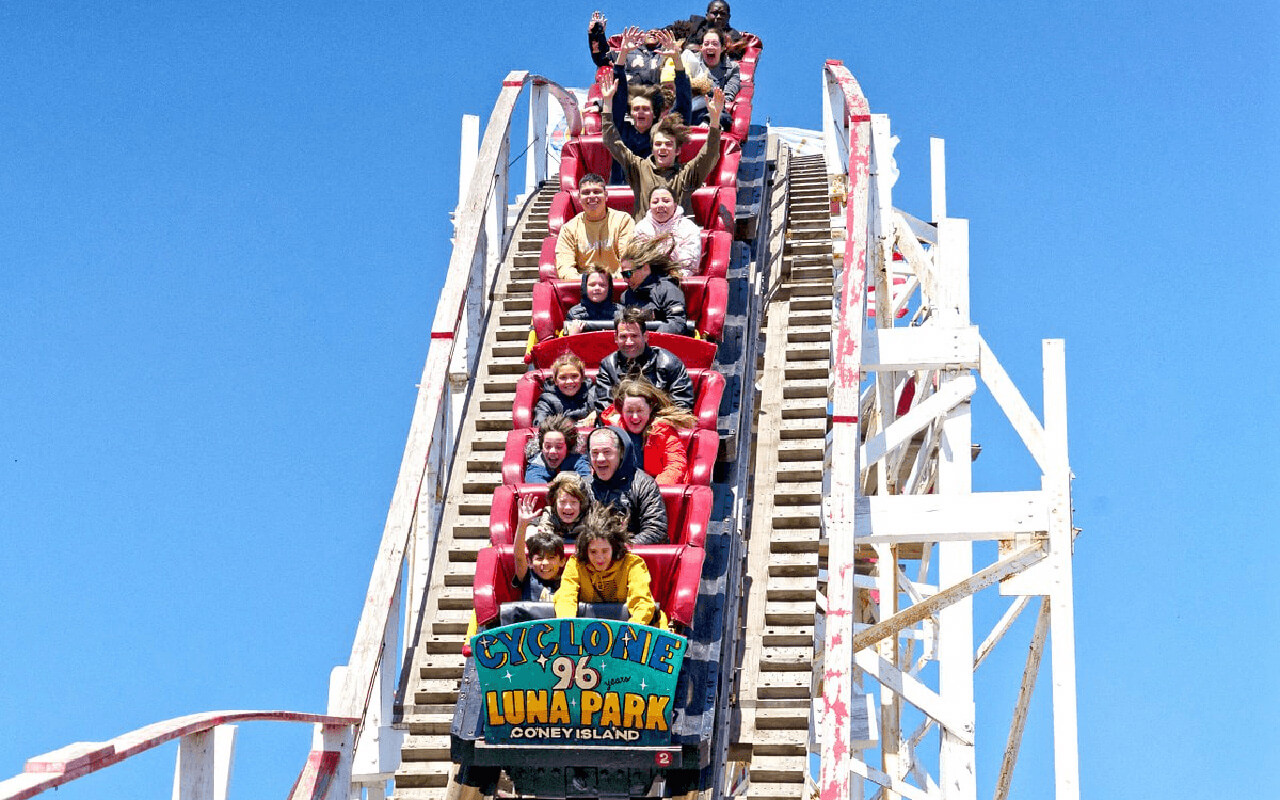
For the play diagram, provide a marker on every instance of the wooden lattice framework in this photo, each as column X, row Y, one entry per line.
column 900, row 477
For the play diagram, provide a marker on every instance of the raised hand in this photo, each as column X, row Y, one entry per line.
column 631, row 39
column 715, row 105
column 608, row 87
column 526, row 511
column 667, row 44
column 597, row 19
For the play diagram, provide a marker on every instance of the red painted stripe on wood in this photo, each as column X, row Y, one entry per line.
column 442, row 334
column 843, row 418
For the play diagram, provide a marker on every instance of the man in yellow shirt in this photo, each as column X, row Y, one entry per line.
column 597, row 236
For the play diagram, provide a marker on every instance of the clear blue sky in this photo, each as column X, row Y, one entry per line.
column 223, row 228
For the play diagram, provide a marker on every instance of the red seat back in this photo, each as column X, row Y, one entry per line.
column 674, row 575
column 688, row 511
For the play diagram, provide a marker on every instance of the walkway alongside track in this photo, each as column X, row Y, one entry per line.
column 432, row 685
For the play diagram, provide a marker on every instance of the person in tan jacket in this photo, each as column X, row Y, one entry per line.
column 596, row 237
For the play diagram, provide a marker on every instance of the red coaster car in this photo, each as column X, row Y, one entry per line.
column 688, row 511
column 717, row 250
column 674, row 570
column 705, row 300
column 700, row 450
column 587, row 154
column 713, row 207
column 593, row 347
column 708, row 389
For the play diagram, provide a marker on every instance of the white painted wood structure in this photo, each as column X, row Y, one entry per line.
column 899, row 473
column 896, row 482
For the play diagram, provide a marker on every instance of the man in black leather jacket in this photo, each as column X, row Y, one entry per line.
column 635, row 358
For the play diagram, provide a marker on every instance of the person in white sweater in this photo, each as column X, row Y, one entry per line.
column 665, row 218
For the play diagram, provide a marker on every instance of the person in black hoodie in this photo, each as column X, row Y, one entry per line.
column 653, row 281
column 568, row 393
column 617, row 481
column 597, row 309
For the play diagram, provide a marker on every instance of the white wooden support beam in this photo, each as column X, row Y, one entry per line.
column 921, row 263
column 922, row 468
column 947, row 597
column 956, row 762
column 1002, row 627
column 959, row 721
column 922, row 348
column 377, row 749
column 328, row 772
column 979, row 516
column 469, row 150
column 874, row 775
column 835, row 128
column 1019, row 723
column 1013, row 405
column 890, row 703
column 536, row 152
column 899, row 433
column 842, row 479
column 1057, row 483
column 923, row 231
column 205, row 759
column 938, row 178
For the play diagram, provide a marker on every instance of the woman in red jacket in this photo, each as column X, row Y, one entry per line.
column 647, row 414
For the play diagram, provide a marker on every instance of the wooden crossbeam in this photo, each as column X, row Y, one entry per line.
column 1013, row 405
column 909, row 519
column 952, row 594
column 862, row 770
column 920, row 262
column 914, row 692
column 1002, row 627
column 900, row 431
column 1019, row 723
column 924, row 231
column 926, row 347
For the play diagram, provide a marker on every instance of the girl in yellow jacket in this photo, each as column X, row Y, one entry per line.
column 603, row 571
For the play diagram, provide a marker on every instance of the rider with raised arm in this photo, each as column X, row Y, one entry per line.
column 662, row 168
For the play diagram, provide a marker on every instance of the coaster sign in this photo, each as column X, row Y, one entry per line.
column 577, row 681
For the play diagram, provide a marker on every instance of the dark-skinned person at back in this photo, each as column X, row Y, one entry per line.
column 635, row 358
column 662, row 167
column 618, row 482
column 717, row 16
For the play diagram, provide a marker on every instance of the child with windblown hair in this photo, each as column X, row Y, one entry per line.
column 603, row 571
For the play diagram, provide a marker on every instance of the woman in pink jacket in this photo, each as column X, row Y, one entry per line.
column 665, row 218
